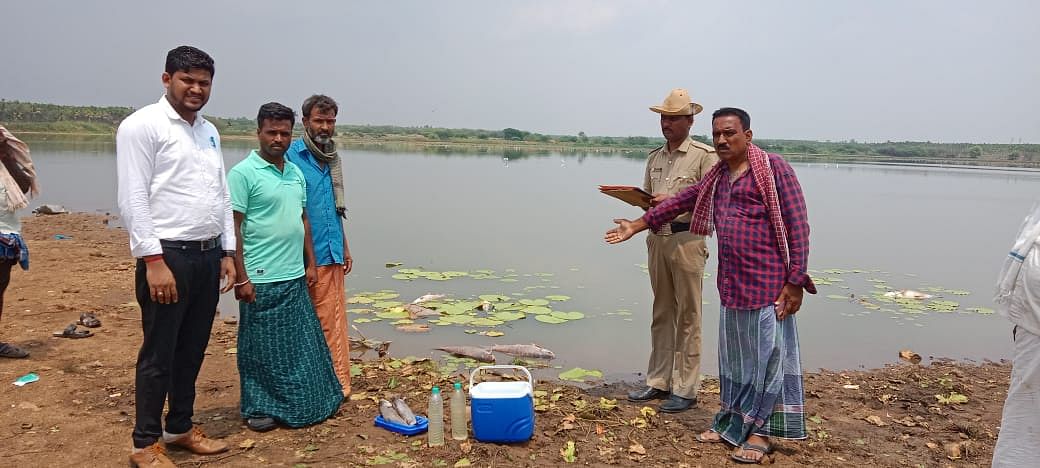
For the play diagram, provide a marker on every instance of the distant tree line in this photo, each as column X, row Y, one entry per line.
column 37, row 117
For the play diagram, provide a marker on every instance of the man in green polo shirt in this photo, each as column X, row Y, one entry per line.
column 283, row 361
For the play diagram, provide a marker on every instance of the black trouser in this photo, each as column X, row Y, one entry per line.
column 175, row 339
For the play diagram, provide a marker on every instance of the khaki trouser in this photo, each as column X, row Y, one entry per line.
column 676, row 275
column 329, row 296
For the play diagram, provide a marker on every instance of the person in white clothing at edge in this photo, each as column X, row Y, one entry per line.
column 175, row 203
column 1018, row 299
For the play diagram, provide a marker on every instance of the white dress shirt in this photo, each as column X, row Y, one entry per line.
column 171, row 180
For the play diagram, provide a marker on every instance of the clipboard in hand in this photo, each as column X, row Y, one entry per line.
column 634, row 196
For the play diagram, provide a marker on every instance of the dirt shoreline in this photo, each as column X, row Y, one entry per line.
column 80, row 412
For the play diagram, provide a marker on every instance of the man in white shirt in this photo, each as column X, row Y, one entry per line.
column 174, row 200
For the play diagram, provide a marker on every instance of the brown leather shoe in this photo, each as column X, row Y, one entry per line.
column 198, row 443
column 152, row 456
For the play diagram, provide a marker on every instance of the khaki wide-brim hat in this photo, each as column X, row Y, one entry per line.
column 678, row 103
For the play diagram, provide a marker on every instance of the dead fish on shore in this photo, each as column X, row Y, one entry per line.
column 531, row 351
column 428, row 298
column 404, row 411
column 50, row 210
column 908, row 294
column 415, row 311
column 364, row 344
column 475, row 352
column 389, row 414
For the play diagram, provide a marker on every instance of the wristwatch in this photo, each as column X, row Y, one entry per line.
column 229, row 253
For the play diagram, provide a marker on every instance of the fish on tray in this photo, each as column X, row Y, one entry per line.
column 531, row 351
column 475, row 352
column 389, row 414
column 404, row 411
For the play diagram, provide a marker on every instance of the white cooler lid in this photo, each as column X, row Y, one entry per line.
column 501, row 390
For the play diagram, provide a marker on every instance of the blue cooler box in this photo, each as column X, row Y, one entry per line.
column 502, row 411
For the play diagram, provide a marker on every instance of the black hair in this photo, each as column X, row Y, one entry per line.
column 185, row 58
column 274, row 111
column 745, row 118
column 322, row 102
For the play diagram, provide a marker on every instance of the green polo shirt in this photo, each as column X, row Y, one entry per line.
column 272, row 232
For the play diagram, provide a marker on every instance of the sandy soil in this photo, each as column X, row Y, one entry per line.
column 80, row 412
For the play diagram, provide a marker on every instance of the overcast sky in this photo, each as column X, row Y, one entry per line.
column 948, row 70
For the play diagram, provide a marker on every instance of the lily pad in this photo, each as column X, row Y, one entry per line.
column 508, row 316
column 402, row 276
column 567, row 315
column 537, row 310
column 393, row 264
column 547, row 319
column 360, row 300
column 391, row 314
column 837, row 297
column 557, row 297
column 485, row 322
column 387, row 304
column 494, row 298
column 493, row 333
column 534, row 302
column 578, row 374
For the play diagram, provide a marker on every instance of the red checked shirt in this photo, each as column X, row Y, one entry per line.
column 751, row 268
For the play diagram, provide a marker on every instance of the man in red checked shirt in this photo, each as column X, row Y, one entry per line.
column 754, row 202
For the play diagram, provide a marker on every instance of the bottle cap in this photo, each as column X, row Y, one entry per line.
column 436, row 390
column 458, row 385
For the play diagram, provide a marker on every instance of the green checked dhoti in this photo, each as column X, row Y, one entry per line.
column 283, row 362
column 760, row 375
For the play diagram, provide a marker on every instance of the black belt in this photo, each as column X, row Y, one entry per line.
column 199, row 245
column 680, row 227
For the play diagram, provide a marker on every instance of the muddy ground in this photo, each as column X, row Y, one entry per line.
column 80, row 412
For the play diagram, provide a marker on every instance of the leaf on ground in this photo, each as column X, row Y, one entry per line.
column 355, row 370
column 647, row 412
column 247, row 444
column 462, row 462
column 637, row 449
column 568, row 452
column 607, row 404
column 875, row 420
column 816, row 419
column 951, row 399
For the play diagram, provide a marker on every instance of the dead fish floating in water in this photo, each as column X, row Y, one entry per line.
column 531, row 351
column 908, row 294
column 475, row 352
column 389, row 414
column 428, row 298
column 486, row 307
column 404, row 411
column 415, row 311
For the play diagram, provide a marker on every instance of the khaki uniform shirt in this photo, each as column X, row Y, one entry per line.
column 671, row 172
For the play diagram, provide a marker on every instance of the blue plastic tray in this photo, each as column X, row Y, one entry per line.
column 421, row 425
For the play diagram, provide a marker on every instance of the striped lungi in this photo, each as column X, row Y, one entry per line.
column 760, row 375
column 283, row 361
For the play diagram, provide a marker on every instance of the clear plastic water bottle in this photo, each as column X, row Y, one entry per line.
column 435, row 434
column 458, row 413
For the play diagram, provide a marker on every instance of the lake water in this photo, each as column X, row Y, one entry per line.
column 539, row 221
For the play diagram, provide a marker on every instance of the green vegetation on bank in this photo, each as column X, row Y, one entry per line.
column 51, row 118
